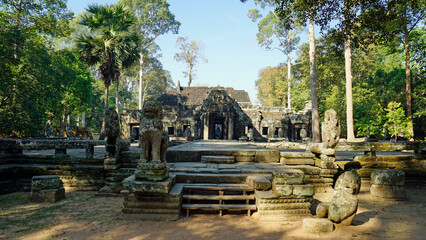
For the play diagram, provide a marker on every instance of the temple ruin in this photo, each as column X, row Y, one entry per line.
column 222, row 113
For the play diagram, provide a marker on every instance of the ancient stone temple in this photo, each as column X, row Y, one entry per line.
column 222, row 113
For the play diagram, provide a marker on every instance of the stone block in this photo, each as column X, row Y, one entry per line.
column 329, row 158
column 218, row 159
column 297, row 161
column 267, row 156
column 231, row 178
column 152, row 171
column 45, row 182
column 317, row 225
column 47, row 195
column 282, row 190
column 325, row 164
column 260, row 183
column 387, row 191
column 287, row 176
column 134, row 185
column 303, row 190
column 297, row 155
column 388, row 177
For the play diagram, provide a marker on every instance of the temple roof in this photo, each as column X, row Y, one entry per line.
column 196, row 95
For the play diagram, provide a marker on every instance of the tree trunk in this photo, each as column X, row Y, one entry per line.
column 313, row 79
column 83, row 119
column 117, row 92
column 102, row 133
column 190, row 76
column 63, row 124
column 349, row 100
column 408, row 78
column 141, row 81
column 288, row 74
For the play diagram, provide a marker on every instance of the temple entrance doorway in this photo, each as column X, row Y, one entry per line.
column 218, row 128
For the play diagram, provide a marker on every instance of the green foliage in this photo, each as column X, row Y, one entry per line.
column 399, row 124
column 110, row 46
column 190, row 54
column 37, row 82
column 272, row 86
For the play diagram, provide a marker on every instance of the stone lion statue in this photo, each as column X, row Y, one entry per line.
column 344, row 204
column 153, row 143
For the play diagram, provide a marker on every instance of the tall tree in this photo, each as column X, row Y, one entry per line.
column 302, row 11
column 271, row 28
column 191, row 54
column 110, row 45
column 405, row 16
column 153, row 19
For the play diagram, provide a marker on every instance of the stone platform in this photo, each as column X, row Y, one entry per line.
column 241, row 151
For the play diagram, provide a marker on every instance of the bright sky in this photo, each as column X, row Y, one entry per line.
column 228, row 37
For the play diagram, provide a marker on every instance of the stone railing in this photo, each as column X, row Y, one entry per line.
column 15, row 146
column 370, row 148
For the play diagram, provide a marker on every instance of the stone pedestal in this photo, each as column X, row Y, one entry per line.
column 150, row 200
column 46, row 188
column 289, row 199
column 388, row 184
column 152, row 171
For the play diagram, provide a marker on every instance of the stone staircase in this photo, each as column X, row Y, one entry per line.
column 217, row 159
column 218, row 198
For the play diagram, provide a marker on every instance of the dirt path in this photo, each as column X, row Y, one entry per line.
column 83, row 216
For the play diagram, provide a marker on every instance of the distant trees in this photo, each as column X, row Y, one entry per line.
column 37, row 81
column 274, row 35
column 153, row 18
column 190, row 54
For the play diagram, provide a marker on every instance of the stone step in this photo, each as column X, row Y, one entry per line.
column 228, row 187
column 218, row 197
column 214, row 178
column 217, row 159
column 215, row 207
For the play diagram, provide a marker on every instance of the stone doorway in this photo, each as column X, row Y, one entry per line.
column 218, row 128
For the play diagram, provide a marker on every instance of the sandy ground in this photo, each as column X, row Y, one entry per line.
column 83, row 216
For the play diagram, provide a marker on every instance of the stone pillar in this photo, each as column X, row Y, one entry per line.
column 206, row 126
column 231, row 128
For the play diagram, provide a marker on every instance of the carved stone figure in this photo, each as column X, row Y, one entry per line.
column 344, row 204
column 48, row 132
column 112, row 131
column 250, row 135
column 153, row 144
column 330, row 129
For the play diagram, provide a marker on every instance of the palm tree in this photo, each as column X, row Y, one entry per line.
column 108, row 44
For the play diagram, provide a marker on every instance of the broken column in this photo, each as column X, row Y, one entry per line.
column 388, row 184
column 289, row 199
column 325, row 153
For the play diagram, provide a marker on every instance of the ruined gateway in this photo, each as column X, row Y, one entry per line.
column 221, row 113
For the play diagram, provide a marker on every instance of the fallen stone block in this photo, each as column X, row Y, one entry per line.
column 48, row 195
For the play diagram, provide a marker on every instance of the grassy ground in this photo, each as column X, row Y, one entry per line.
column 18, row 216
